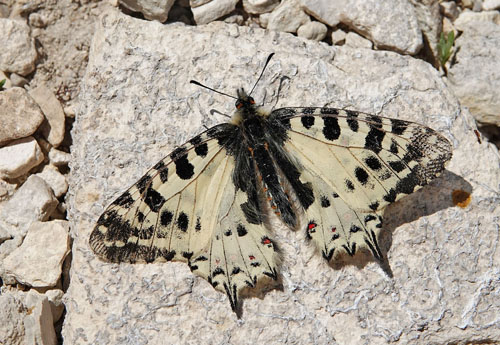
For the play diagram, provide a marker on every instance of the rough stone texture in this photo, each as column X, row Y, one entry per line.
column 20, row 116
column 287, row 17
column 313, row 31
column 55, row 297
column 398, row 31
column 12, row 314
column 4, row 235
column 151, row 9
column 19, row 157
column 54, row 179
column 354, row 40
column 58, row 157
column 53, row 128
column 467, row 17
column 449, row 9
column 33, row 201
column 37, row 262
column 39, row 323
column 259, row 6
column 444, row 258
column 338, row 37
column 475, row 76
column 490, row 5
column 18, row 52
column 213, row 10
column 430, row 22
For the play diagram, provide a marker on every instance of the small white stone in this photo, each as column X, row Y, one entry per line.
column 33, row 201
column 18, row 80
column 38, row 261
column 338, row 37
column 449, row 9
column 354, row 40
column 264, row 19
column 197, row 3
column 12, row 313
column 53, row 129
column 19, row 157
column 58, row 157
column 151, row 9
column 20, row 116
column 54, row 179
column 287, row 17
column 18, row 53
column 69, row 111
column 490, row 5
column 313, row 30
column 38, row 324
column 468, row 16
column 55, row 297
column 213, row 10
column 259, row 6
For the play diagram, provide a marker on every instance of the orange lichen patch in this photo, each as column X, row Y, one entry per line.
column 461, row 198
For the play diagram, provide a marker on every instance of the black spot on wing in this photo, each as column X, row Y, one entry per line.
column 195, row 141
column 197, row 227
column 397, row 166
column 374, row 138
column 352, row 122
column 143, row 183
column 325, row 202
column 308, row 111
column 398, row 126
column 331, row 128
column 354, row 228
column 183, row 221
column 183, row 168
column 201, row 150
column 361, row 175
column 162, row 170
column 329, row 111
column 349, row 185
column 228, row 232
column 153, row 199
column 374, row 206
column 140, row 217
column 187, row 255
column 335, row 195
column 125, row 200
column 307, row 121
column 394, row 147
column 242, row 231
column 166, row 217
column 373, row 163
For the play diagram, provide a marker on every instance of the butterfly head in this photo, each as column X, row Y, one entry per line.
column 244, row 101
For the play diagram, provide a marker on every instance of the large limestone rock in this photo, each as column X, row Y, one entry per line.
column 444, row 258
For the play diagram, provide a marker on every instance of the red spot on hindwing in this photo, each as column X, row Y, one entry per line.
column 334, row 229
column 251, row 257
column 311, row 225
column 266, row 240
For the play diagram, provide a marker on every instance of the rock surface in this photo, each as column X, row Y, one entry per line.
column 287, row 17
column 364, row 16
column 444, row 258
column 20, row 116
column 151, row 9
column 313, row 31
column 54, row 179
column 33, row 201
column 475, row 76
column 212, row 10
column 53, row 128
column 12, row 314
column 19, row 157
column 18, row 53
column 38, row 323
column 38, row 261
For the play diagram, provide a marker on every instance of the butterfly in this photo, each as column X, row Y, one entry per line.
column 209, row 201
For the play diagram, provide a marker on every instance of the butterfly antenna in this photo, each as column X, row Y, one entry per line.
column 206, row 87
column 261, row 73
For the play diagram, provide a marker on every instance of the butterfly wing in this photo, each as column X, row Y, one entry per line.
column 187, row 208
column 357, row 164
